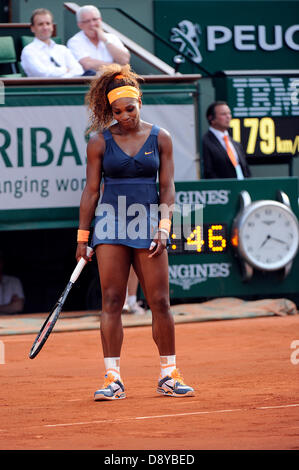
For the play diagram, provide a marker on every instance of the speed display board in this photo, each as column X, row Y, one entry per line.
column 265, row 114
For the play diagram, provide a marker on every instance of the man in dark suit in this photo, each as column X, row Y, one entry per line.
column 223, row 157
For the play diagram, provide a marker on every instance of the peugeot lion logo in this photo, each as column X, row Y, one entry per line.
column 188, row 35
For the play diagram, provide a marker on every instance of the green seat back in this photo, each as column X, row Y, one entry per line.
column 25, row 40
column 12, row 75
column 7, row 50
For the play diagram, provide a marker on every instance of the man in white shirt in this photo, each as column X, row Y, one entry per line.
column 43, row 57
column 222, row 156
column 11, row 292
column 92, row 47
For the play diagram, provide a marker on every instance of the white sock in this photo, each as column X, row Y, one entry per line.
column 131, row 299
column 112, row 366
column 168, row 364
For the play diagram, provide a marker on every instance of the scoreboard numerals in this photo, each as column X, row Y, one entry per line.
column 195, row 239
column 216, row 240
column 266, row 136
column 207, row 239
column 259, row 129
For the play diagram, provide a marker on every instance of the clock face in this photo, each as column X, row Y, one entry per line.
column 268, row 235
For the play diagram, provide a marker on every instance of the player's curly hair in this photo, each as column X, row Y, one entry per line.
column 100, row 112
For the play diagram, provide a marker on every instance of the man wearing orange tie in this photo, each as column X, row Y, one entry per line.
column 222, row 156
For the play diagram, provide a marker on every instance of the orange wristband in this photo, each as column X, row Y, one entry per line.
column 165, row 224
column 82, row 236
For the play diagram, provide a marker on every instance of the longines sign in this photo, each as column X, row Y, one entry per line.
column 187, row 275
column 202, row 261
column 205, row 197
column 230, row 35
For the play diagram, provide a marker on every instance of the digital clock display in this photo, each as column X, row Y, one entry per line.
column 206, row 238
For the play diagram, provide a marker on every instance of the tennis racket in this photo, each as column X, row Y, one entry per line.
column 49, row 324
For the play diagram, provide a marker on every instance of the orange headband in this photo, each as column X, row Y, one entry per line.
column 123, row 92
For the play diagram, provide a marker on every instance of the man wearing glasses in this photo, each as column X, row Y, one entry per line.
column 92, row 47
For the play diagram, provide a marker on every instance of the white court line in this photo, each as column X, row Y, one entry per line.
column 277, row 406
column 175, row 415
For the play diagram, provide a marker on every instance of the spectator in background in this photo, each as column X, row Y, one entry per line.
column 131, row 305
column 91, row 46
column 223, row 157
column 43, row 57
column 11, row 292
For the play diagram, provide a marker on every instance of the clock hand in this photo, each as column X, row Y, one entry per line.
column 277, row 240
column 265, row 241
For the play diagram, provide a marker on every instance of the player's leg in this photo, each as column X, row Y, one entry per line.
column 153, row 276
column 114, row 265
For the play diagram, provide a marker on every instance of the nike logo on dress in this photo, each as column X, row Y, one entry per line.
column 148, row 153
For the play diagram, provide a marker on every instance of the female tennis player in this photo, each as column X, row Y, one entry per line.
column 127, row 156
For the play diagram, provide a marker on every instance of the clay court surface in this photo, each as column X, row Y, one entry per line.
column 245, row 376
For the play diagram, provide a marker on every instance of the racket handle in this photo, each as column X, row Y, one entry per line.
column 80, row 265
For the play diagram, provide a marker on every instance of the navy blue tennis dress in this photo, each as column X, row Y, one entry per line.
column 127, row 213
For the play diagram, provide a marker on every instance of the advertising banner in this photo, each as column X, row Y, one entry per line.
column 43, row 151
column 265, row 113
column 43, row 156
column 204, row 262
column 229, row 35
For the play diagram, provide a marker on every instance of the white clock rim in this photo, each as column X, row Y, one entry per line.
column 252, row 261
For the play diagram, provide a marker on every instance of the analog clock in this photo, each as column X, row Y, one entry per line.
column 265, row 234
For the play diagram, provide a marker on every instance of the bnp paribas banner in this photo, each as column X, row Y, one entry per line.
column 229, row 35
column 43, row 150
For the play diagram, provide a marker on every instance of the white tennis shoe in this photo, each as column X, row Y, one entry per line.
column 174, row 386
column 111, row 390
